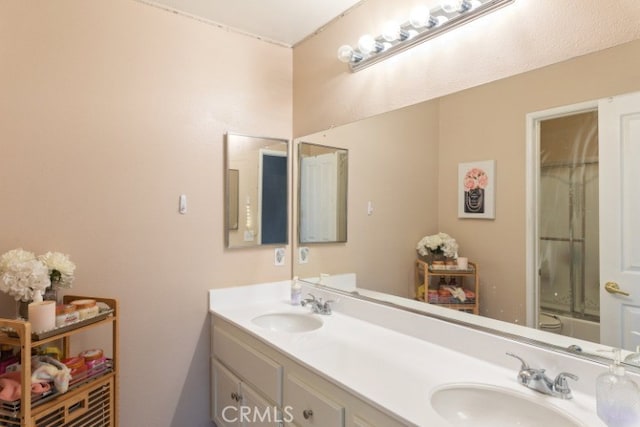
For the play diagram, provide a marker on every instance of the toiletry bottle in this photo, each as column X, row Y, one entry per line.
column 296, row 292
column 617, row 396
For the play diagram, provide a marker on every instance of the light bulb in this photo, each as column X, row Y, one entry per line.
column 391, row 31
column 451, row 6
column 345, row 53
column 419, row 17
column 367, row 44
column 474, row 4
column 439, row 20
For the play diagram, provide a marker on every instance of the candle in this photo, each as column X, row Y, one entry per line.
column 42, row 316
column 463, row 263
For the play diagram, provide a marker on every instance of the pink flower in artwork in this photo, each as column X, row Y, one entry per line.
column 475, row 178
column 483, row 180
column 469, row 183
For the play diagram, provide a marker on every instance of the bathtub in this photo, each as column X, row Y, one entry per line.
column 569, row 326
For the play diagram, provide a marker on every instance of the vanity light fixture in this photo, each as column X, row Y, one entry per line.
column 423, row 24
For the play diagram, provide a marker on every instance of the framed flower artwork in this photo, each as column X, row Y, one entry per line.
column 476, row 190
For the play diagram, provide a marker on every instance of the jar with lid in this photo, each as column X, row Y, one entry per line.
column 66, row 314
column 87, row 308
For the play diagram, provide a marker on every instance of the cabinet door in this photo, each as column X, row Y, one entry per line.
column 226, row 396
column 255, row 411
column 310, row 407
column 253, row 366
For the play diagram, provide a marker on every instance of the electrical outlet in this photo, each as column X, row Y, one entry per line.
column 279, row 256
column 303, row 255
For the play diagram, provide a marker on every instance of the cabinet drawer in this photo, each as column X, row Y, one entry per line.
column 249, row 364
column 310, row 407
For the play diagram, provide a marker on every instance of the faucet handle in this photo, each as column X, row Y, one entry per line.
column 326, row 307
column 560, row 384
column 310, row 298
column 524, row 366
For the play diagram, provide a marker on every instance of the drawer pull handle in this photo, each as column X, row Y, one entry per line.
column 307, row 413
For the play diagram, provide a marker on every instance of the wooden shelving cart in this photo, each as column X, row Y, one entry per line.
column 430, row 277
column 92, row 398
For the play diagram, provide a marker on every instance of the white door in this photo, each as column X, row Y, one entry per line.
column 619, row 141
column 318, row 198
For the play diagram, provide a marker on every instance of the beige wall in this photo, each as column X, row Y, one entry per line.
column 483, row 123
column 523, row 36
column 476, row 119
column 393, row 163
column 109, row 111
column 499, row 133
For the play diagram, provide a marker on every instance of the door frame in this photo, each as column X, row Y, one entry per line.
column 532, row 188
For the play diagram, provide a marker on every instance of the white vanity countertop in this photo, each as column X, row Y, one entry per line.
column 393, row 371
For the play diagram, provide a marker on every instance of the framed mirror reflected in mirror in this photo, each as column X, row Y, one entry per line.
column 322, row 193
column 256, row 191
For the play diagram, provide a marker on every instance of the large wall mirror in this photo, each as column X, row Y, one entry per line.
column 403, row 185
column 322, row 193
column 256, row 196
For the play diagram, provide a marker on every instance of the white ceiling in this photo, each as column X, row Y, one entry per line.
column 282, row 21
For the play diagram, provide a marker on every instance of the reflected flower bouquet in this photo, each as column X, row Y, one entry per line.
column 61, row 269
column 440, row 243
column 22, row 274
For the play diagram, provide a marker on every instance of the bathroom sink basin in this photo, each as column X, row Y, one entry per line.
column 288, row 322
column 483, row 405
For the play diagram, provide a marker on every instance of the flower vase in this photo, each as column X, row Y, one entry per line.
column 51, row 294
column 22, row 309
column 431, row 258
column 437, row 260
column 474, row 201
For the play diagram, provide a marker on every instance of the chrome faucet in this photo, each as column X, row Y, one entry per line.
column 317, row 304
column 537, row 380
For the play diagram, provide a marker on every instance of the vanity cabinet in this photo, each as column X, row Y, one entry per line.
column 251, row 377
column 432, row 279
column 91, row 399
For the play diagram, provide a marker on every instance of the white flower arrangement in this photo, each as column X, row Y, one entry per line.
column 440, row 243
column 61, row 269
column 23, row 275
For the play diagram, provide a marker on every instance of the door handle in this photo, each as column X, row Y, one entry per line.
column 613, row 288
